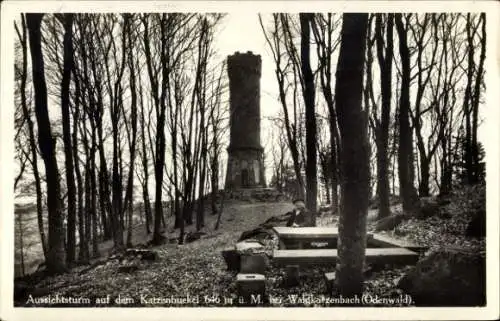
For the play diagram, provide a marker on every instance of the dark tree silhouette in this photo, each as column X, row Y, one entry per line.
column 311, row 131
column 31, row 133
column 382, row 125
column 67, row 20
column 405, row 164
column 55, row 253
column 355, row 165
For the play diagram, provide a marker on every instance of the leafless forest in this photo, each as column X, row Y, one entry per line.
column 121, row 125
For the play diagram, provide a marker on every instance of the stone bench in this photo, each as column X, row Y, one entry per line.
column 330, row 256
column 301, row 237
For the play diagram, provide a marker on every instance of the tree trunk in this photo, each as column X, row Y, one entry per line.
column 32, row 141
column 117, row 193
column 20, row 231
column 475, row 101
column 93, row 198
column 311, row 135
column 423, row 187
column 405, row 149
column 324, row 49
column 68, row 161
column 385, row 62
column 214, row 178
column 200, row 213
column 145, row 168
column 56, row 258
column 221, row 209
column 132, row 142
column 79, row 180
column 335, row 180
column 291, row 132
column 88, row 211
column 104, row 200
column 160, row 158
column 147, row 208
column 160, row 105
column 104, row 184
column 82, row 241
column 468, row 102
column 355, row 164
column 446, row 170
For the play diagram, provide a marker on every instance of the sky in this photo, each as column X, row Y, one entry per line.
column 242, row 32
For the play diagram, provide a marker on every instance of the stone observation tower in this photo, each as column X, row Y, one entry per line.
column 245, row 168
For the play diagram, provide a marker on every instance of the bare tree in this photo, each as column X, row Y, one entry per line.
column 131, row 125
column 283, row 68
column 67, row 20
column 311, row 130
column 381, row 125
column 323, row 29
column 23, row 39
column 55, row 252
column 405, row 136
column 354, row 156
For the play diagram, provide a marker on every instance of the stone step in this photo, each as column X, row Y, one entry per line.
column 387, row 241
column 309, row 233
column 393, row 255
column 248, row 245
column 251, row 288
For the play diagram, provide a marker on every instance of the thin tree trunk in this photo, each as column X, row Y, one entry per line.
column 93, row 198
column 468, row 102
column 132, row 144
column 20, row 228
column 291, row 133
column 65, row 101
column 145, row 168
column 88, row 211
column 32, row 141
column 214, row 178
column 311, row 131
column 221, row 209
column 382, row 128
column 81, row 222
column 475, row 101
column 160, row 136
column 405, row 149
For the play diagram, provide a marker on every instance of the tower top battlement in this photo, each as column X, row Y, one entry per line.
column 247, row 61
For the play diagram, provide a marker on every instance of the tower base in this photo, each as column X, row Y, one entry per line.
column 245, row 169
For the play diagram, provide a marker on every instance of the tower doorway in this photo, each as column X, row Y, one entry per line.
column 245, row 178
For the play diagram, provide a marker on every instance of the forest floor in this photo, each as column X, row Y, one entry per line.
column 197, row 269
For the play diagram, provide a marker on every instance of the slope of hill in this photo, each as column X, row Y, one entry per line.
column 195, row 267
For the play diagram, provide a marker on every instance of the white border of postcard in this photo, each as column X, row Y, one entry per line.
column 10, row 9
